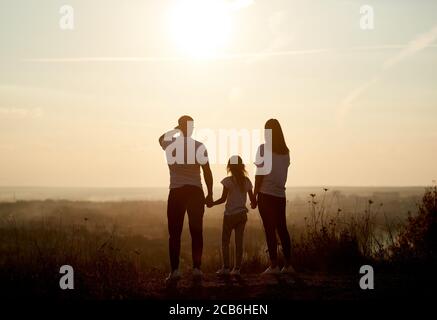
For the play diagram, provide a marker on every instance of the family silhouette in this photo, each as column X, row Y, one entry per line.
column 186, row 158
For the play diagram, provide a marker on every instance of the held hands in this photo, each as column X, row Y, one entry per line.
column 253, row 204
column 254, row 201
column 208, row 200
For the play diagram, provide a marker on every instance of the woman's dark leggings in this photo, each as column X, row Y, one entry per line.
column 272, row 211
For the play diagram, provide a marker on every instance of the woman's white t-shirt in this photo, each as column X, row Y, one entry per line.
column 236, row 200
column 274, row 182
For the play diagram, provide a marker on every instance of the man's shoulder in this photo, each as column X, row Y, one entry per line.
column 200, row 146
column 198, row 143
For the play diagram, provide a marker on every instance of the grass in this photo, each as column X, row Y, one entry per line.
column 115, row 248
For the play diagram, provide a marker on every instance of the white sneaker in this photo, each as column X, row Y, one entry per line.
column 271, row 271
column 288, row 270
column 235, row 272
column 197, row 273
column 174, row 275
column 222, row 272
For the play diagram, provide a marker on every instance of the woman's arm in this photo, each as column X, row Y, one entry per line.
column 259, row 162
column 258, row 182
column 222, row 199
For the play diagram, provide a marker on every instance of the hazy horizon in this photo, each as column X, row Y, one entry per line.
column 167, row 187
column 29, row 193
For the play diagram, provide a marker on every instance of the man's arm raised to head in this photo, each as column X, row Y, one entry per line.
column 168, row 134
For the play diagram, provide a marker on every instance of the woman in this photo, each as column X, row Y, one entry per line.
column 273, row 160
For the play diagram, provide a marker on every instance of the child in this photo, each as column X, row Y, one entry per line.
column 235, row 188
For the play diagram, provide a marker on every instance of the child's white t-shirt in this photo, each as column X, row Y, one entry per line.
column 236, row 200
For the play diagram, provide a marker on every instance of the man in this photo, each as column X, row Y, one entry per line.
column 185, row 156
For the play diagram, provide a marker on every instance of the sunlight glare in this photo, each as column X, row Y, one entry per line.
column 201, row 28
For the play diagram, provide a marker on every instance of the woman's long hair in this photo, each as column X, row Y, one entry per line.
column 237, row 170
column 277, row 139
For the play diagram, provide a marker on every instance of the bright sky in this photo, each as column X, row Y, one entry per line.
column 85, row 107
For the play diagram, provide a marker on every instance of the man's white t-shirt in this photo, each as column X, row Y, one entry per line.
column 185, row 156
column 236, row 201
column 274, row 182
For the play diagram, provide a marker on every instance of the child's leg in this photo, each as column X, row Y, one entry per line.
column 239, row 235
column 226, row 238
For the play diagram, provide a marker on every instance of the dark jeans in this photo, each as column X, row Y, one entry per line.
column 190, row 199
column 272, row 211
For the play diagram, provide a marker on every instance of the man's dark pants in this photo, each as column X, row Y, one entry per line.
column 190, row 199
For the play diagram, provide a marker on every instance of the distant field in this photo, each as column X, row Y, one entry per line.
column 119, row 248
column 123, row 194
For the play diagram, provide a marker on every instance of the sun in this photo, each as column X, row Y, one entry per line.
column 201, row 28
